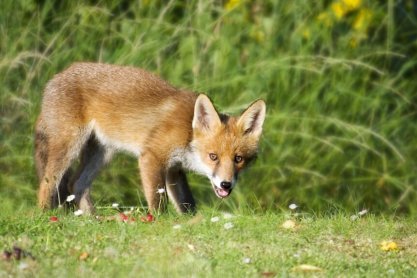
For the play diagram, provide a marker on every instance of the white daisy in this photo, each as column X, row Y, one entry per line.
column 78, row 212
column 293, row 206
column 70, row 198
column 215, row 219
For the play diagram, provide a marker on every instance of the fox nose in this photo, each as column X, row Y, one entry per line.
column 226, row 185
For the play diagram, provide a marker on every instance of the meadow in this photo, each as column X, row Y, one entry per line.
column 339, row 136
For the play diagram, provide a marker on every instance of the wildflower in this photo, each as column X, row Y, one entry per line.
column 215, row 219
column 160, row 190
column 388, row 246
column 362, row 19
column 363, row 212
column 115, row 205
column 228, row 225
column 23, row 265
column 70, row 198
column 352, row 4
column 247, row 260
column 78, row 212
column 325, row 19
column 231, row 4
column 306, row 33
column 293, row 206
column 258, row 35
column 339, row 10
column 354, row 217
column 289, row 224
column 227, row 215
column 177, row 226
column 353, row 43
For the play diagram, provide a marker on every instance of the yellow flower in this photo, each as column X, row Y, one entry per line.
column 325, row 19
column 306, row 33
column 353, row 43
column 339, row 10
column 231, row 4
column 362, row 19
column 352, row 4
column 389, row 246
column 257, row 35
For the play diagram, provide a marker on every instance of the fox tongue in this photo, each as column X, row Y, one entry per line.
column 222, row 192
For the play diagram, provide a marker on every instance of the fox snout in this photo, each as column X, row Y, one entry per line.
column 223, row 187
column 226, row 185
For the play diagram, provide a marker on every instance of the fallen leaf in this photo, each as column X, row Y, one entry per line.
column 191, row 247
column 148, row 218
column 307, row 268
column 389, row 246
column 123, row 217
column 83, row 256
column 196, row 219
column 268, row 274
column 7, row 255
column 53, row 219
column 289, row 224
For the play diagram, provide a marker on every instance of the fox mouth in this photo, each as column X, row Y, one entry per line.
column 221, row 192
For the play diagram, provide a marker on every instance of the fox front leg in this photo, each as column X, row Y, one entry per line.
column 179, row 191
column 153, row 178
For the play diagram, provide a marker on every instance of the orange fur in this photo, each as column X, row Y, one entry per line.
column 92, row 110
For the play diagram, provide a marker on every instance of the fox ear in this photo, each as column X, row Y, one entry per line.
column 252, row 118
column 205, row 115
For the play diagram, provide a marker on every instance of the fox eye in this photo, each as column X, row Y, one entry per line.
column 213, row 156
column 238, row 159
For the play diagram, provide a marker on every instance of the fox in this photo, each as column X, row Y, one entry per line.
column 91, row 110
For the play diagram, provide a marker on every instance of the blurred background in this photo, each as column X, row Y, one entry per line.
column 339, row 79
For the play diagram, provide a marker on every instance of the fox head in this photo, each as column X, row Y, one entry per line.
column 222, row 145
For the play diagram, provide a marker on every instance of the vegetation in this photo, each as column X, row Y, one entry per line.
column 340, row 136
column 240, row 245
column 337, row 78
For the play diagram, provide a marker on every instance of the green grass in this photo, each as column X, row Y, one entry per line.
column 201, row 248
column 340, row 127
column 340, row 134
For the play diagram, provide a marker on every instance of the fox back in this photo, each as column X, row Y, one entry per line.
column 90, row 111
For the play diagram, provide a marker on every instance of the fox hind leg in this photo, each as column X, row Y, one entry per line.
column 93, row 157
column 53, row 165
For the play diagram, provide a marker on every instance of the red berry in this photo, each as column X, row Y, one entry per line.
column 53, row 219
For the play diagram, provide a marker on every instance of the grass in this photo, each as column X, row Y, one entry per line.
column 201, row 248
column 339, row 135
column 340, row 127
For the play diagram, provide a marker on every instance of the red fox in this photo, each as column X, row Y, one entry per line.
column 91, row 110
